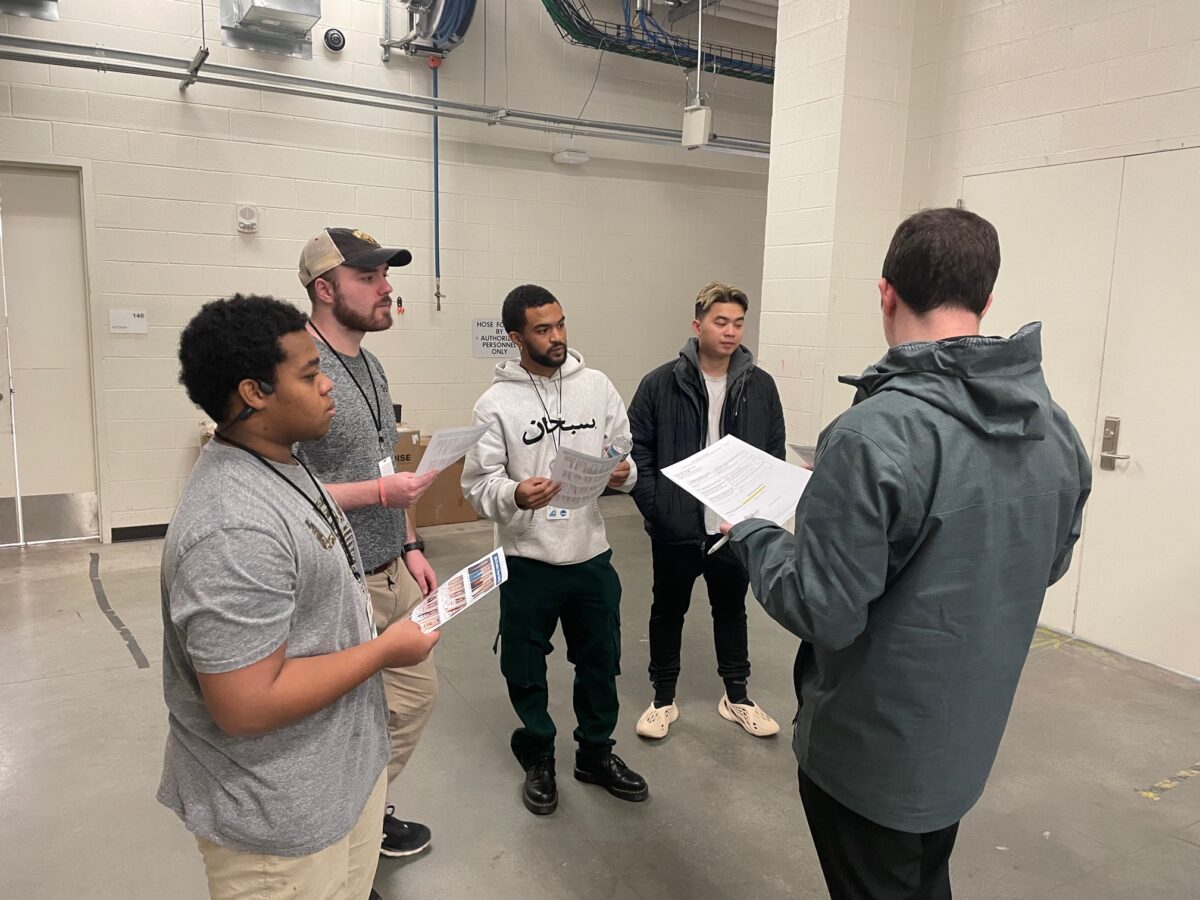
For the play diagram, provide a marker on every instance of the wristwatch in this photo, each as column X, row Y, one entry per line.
column 418, row 544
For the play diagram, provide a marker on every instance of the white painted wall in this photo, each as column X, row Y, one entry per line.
column 1005, row 85
column 882, row 107
column 625, row 241
column 838, row 142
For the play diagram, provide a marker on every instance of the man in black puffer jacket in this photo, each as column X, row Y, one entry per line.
column 711, row 390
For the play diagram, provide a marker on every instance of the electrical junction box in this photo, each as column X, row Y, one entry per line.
column 697, row 126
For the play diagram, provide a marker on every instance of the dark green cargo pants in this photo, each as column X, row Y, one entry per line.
column 586, row 597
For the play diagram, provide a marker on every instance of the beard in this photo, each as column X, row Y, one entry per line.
column 548, row 359
column 357, row 321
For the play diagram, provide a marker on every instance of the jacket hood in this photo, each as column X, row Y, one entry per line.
column 511, row 370
column 993, row 385
column 740, row 363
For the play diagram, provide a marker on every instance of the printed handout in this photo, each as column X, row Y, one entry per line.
column 461, row 590
column 737, row 481
column 448, row 446
column 583, row 478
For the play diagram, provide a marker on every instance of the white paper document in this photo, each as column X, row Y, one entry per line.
column 737, row 481
column 448, row 446
column 461, row 590
column 583, row 477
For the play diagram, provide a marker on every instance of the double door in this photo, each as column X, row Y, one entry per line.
column 1105, row 254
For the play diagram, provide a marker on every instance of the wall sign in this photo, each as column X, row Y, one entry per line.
column 489, row 340
column 128, row 321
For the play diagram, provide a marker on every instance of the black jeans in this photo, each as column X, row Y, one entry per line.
column 862, row 860
column 676, row 569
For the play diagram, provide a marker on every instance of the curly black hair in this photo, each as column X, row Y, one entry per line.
column 519, row 299
column 231, row 340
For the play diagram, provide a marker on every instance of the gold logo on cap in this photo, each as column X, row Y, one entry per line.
column 363, row 236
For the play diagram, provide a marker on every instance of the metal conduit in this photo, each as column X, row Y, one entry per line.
column 102, row 59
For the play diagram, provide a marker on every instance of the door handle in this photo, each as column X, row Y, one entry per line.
column 1108, row 449
column 1109, row 460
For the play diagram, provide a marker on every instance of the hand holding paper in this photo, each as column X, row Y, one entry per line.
column 461, row 590
column 738, row 482
column 583, row 478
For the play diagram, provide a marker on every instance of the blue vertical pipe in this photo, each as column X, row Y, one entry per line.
column 437, row 200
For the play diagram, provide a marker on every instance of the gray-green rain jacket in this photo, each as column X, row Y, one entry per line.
column 942, row 505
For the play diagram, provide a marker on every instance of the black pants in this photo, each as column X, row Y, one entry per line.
column 865, row 861
column 676, row 569
column 586, row 597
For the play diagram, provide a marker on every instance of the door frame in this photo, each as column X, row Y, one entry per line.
column 83, row 168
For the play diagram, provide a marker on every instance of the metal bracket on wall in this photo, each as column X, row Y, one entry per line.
column 194, row 68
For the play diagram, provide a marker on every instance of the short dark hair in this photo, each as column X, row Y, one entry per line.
column 718, row 292
column 943, row 257
column 231, row 340
column 521, row 298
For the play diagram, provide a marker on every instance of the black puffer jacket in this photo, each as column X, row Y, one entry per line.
column 669, row 420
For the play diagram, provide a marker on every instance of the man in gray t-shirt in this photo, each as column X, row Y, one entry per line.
column 277, row 723
column 344, row 272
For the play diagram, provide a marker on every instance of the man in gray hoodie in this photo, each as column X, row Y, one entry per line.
column 559, row 561
column 942, row 505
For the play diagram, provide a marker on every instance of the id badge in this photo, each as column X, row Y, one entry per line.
column 557, row 513
column 387, row 466
column 368, row 606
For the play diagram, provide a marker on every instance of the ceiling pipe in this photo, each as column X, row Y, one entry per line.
column 102, row 59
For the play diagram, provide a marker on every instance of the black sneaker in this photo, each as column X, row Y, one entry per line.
column 614, row 776
column 540, row 794
column 402, row 838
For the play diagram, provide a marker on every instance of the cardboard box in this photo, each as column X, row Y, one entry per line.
column 407, row 447
column 443, row 503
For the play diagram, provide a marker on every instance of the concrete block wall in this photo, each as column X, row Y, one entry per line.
column 838, row 142
column 625, row 240
column 1007, row 85
column 882, row 107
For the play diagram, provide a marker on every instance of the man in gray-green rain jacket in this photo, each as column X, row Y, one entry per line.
column 942, row 505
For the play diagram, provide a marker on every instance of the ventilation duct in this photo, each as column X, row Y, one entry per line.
column 270, row 26
column 32, row 9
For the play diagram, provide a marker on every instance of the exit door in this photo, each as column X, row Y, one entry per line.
column 1103, row 253
column 48, row 480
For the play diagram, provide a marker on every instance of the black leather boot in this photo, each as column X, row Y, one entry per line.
column 541, row 792
column 614, row 776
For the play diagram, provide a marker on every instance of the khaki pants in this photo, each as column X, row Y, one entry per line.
column 343, row 871
column 410, row 691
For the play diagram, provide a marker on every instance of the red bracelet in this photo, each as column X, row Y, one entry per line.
column 382, row 495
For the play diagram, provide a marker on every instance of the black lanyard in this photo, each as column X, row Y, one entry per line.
column 376, row 410
column 327, row 515
column 556, row 436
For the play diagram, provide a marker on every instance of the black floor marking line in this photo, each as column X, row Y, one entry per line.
column 102, row 601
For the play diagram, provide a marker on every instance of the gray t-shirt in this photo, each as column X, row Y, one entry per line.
column 248, row 564
column 353, row 448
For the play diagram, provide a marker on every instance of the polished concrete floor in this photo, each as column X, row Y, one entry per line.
column 82, row 727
